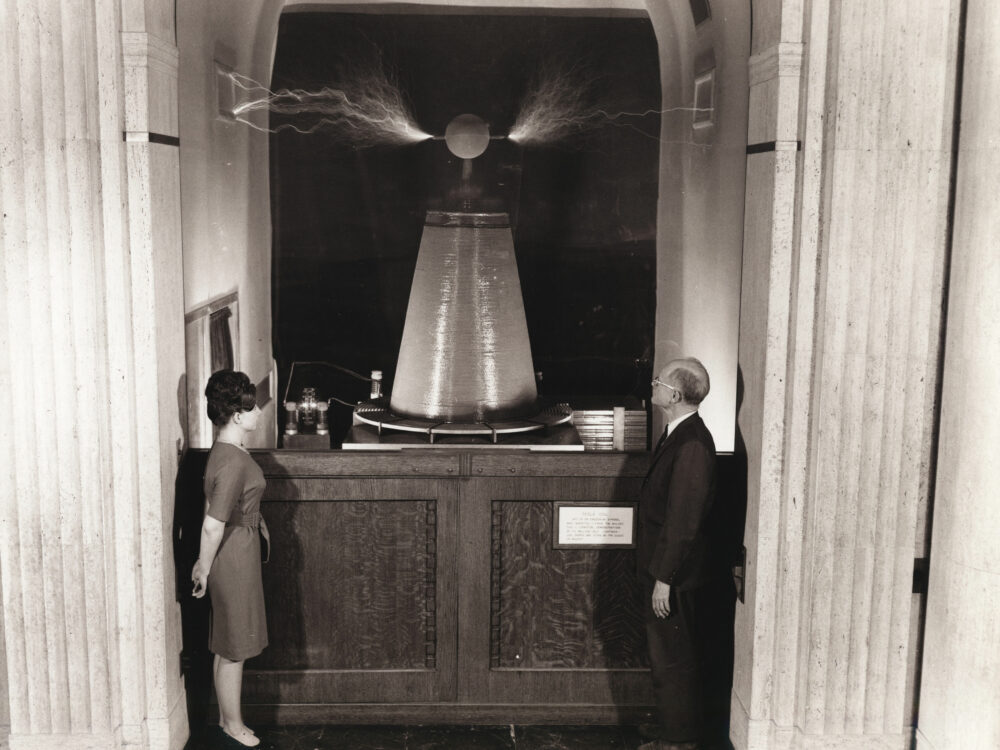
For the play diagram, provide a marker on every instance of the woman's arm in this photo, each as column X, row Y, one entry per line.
column 211, row 537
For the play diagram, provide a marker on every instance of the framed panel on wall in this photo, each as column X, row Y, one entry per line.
column 211, row 333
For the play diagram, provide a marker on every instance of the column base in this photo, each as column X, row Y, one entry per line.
column 764, row 734
column 173, row 732
column 170, row 733
column 62, row 741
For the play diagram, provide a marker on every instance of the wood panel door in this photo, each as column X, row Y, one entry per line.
column 543, row 627
column 360, row 590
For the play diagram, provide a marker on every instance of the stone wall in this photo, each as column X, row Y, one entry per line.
column 225, row 191
column 700, row 202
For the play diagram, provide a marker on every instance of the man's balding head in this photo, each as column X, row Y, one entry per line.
column 689, row 376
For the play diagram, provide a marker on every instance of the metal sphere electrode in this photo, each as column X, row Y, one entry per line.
column 467, row 136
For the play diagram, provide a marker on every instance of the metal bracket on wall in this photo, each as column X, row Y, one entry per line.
column 767, row 146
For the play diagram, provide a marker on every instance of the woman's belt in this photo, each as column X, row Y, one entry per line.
column 249, row 520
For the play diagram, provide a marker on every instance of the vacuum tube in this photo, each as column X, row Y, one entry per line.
column 291, row 418
column 322, row 426
column 307, row 410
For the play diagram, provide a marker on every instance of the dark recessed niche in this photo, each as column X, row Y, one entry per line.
column 347, row 220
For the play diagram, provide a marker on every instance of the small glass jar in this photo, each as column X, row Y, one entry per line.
column 307, row 410
column 322, row 426
column 291, row 418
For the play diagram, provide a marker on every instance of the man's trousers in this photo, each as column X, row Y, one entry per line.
column 690, row 656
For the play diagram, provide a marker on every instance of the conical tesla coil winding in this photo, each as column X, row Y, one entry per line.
column 465, row 354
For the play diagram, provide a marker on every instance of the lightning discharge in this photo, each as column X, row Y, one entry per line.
column 557, row 106
column 369, row 111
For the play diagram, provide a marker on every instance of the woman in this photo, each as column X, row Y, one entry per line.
column 228, row 564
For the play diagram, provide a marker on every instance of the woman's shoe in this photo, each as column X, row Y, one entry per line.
column 245, row 737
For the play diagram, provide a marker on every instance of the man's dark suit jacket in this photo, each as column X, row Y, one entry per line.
column 674, row 506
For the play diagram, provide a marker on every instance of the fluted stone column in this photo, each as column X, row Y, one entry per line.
column 91, row 347
column 960, row 691
column 851, row 110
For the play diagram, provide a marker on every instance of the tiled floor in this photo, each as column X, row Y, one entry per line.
column 430, row 738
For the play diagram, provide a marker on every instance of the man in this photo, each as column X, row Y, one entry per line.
column 674, row 556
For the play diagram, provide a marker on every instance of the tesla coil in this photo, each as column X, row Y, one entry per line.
column 464, row 372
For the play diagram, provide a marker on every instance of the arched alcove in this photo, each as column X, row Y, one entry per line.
column 226, row 177
column 698, row 176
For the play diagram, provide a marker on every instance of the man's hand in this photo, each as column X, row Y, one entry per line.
column 661, row 599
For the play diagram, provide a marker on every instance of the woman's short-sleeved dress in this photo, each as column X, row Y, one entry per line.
column 234, row 485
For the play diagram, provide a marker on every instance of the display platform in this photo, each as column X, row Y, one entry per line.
column 365, row 437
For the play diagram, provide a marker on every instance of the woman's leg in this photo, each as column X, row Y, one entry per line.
column 228, row 686
column 215, row 680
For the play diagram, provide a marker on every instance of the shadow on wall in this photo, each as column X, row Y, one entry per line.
column 726, row 525
column 189, row 512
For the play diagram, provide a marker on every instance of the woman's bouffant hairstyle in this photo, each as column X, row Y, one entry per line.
column 228, row 392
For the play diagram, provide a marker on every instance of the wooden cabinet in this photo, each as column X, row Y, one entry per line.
column 423, row 585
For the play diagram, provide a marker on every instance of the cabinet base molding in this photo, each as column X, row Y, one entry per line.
column 444, row 713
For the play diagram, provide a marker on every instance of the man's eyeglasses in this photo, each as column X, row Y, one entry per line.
column 657, row 381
